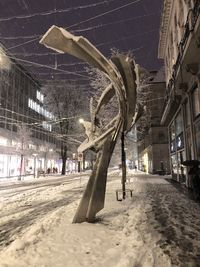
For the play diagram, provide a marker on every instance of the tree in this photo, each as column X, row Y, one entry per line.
column 66, row 101
column 24, row 139
column 98, row 82
column 143, row 96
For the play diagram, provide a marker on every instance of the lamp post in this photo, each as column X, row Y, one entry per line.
column 34, row 170
column 123, row 160
column 80, row 155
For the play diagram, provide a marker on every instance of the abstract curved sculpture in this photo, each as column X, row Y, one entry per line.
column 122, row 73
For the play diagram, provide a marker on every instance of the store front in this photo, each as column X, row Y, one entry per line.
column 177, row 149
column 9, row 165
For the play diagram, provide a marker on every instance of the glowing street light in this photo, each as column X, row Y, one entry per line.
column 81, row 120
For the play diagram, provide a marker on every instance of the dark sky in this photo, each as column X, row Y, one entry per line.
column 122, row 24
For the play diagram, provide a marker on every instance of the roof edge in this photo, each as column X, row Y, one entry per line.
column 164, row 24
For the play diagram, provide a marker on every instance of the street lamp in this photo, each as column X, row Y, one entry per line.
column 80, row 155
column 81, row 120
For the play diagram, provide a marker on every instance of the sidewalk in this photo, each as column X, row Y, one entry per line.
column 179, row 186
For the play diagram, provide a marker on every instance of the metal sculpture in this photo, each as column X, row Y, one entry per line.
column 121, row 71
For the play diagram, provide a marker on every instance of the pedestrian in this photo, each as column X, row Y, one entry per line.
column 135, row 167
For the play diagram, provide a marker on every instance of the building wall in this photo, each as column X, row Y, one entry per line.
column 153, row 149
column 154, row 152
column 173, row 22
column 180, row 48
column 21, row 103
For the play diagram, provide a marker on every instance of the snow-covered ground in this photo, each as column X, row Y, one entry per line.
column 158, row 226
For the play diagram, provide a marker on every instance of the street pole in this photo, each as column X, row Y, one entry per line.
column 79, row 166
column 21, row 166
column 34, row 165
column 123, row 160
column 34, row 170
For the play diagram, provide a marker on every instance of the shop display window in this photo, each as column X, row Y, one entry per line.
column 179, row 124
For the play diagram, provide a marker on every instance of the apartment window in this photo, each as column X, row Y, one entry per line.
column 196, row 101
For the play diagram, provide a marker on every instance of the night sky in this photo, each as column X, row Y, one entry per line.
column 122, row 24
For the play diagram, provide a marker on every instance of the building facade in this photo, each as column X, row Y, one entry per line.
column 179, row 46
column 27, row 140
column 153, row 153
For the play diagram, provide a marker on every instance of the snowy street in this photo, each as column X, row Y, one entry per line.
column 24, row 203
column 158, row 226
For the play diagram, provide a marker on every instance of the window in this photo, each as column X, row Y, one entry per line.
column 180, row 141
column 172, row 131
column 179, row 124
column 39, row 109
column 47, row 126
column 196, row 101
column 40, row 96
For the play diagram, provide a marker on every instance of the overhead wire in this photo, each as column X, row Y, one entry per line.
column 37, row 129
column 84, row 29
column 104, row 13
column 101, row 44
column 30, row 41
column 127, row 37
column 39, row 122
column 46, row 66
column 78, row 23
column 54, row 11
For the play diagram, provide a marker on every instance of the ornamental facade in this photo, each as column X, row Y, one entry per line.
column 179, row 46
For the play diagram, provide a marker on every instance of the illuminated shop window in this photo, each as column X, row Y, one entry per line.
column 3, row 141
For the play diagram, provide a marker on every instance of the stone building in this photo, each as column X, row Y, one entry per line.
column 179, row 46
column 153, row 153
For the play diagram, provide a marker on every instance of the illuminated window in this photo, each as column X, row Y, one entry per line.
column 39, row 109
column 47, row 126
column 40, row 96
column 3, row 141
